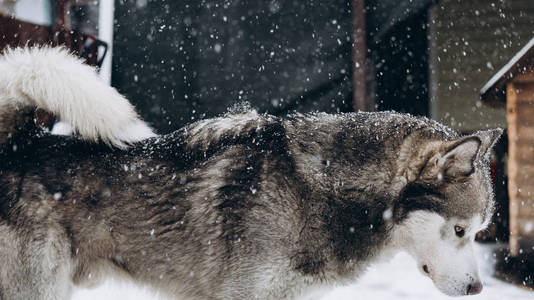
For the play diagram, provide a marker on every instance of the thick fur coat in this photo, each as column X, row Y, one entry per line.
column 244, row 206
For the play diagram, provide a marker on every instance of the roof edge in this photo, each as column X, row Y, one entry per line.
column 492, row 90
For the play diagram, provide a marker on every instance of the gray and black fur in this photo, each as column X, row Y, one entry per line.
column 245, row 206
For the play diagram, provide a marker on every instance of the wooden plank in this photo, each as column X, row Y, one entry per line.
column 524, row 112
column 524, row 200
column 359, row 58
column 528, row 169
column 527, row 190
column 523, row 158
column 511, row 118
column 523, row 179
column 524, row 147
column 524, row 142
column 524, row 182
column 525, row 92
column 527, row 135
column 524, row 78
column 525, row 101
column 525, row 209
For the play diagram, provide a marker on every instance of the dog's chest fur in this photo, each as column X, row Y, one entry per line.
column 251, row 207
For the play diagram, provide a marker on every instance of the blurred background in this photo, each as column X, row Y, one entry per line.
column 466, row 63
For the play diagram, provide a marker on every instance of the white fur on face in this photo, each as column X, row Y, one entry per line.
column 431, row 240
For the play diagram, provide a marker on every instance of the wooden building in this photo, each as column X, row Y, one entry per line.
column 512, row 87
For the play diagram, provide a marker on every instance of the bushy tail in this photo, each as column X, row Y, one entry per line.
column 60, row 83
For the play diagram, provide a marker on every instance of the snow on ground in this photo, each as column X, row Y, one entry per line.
column 396, row 279
column 401, row 279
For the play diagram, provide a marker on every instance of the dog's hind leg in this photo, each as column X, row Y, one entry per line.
column 35, row 265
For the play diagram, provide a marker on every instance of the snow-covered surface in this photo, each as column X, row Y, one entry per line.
column 400, row 279
column 396, row 279
column 507, row 67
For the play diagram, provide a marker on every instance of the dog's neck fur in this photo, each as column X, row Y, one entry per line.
column 336, row 200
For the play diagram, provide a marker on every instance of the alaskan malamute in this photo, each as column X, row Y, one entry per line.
column 244, row 206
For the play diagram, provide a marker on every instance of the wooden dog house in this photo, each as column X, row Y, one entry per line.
column 512, row 87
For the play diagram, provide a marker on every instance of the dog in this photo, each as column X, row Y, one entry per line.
column 242, row 206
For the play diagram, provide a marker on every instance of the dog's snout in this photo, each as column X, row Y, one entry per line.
column 474, row 288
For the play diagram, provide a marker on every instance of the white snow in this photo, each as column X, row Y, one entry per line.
column 396, row 279
column 62, row 128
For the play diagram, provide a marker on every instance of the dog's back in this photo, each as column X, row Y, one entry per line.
column 184, row 208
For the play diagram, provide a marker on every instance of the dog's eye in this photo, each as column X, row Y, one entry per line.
column 460, row 231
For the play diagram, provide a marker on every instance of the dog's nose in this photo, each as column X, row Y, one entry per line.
column 474, row 288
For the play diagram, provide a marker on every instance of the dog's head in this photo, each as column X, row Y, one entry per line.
column 448, row 198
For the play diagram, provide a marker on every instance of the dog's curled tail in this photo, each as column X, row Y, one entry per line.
column 58, row 82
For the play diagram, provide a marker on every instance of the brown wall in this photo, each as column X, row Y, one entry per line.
column 520, row 118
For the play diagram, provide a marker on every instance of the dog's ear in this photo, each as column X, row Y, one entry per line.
column 488, row 138
column 453, row 160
